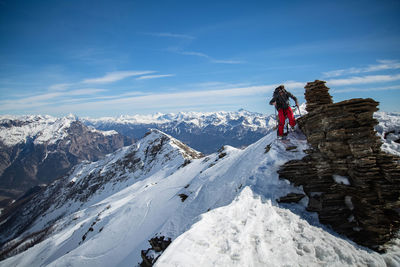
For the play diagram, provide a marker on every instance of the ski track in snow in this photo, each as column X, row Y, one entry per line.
column 230, row 218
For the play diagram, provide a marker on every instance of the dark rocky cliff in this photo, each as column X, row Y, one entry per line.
column 350, row 182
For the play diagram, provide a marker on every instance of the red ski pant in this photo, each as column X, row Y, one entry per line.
column 283, row 114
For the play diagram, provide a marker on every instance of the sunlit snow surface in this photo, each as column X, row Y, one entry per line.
column 252, row 231
column 230, row 218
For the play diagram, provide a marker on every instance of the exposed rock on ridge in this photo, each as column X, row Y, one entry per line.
column 350, row 182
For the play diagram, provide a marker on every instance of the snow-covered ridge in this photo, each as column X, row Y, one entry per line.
column 37, row 128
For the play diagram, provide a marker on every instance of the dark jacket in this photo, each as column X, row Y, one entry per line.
column 282, row 101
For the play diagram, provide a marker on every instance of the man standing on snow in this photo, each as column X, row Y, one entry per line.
column 280, row 100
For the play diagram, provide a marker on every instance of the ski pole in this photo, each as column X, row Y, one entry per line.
column 298, row 109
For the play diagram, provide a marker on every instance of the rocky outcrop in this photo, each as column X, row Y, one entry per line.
column 316, row 95
column 151, row 255
column 350, row 182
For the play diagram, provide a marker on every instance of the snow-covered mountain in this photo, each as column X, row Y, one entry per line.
column 224, row 205
column 205, row 132
column 219, row 210
column 388, row 129
column 38, row 149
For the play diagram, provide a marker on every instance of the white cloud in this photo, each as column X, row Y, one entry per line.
column 211, row 94
column 383, row 65
column 86, row 91
column 40, row 97
column 349, row 90
column 172, row 35
column 364, row 80
column 211, row 59
column 47, row 98
column 60, row 86
column 191, row 53
column 226, row 61
column 54, row 101
column 147, row 77
column 115, row 76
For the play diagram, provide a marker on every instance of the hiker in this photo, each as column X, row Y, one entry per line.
column 280, row 100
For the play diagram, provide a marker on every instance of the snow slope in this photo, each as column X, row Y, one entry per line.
column 230, row 218
column 255, row 232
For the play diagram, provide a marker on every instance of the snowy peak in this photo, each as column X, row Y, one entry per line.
column 156, row 152
column 37, row 129
column 159, row 138
column 200, row 119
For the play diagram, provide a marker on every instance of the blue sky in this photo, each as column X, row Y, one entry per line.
column 108, row 58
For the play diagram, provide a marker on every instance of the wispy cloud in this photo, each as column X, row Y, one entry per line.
column 350, row 90
column 175, row 99
column 60, row 86
column 207, row 95
column 86, row 91
column 203, row 55
column 383, row 65
column 48, row 98
column 192, row 53
column 226, row 61
column 115, row 76
column 54, row 102
column 147, row 77
column 212, row 94
column 171, row 35
column 364, row 80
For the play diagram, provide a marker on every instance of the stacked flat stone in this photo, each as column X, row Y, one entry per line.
column 316, row 94
column 344, row 147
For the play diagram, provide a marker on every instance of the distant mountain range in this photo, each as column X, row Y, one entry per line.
column 205, row 132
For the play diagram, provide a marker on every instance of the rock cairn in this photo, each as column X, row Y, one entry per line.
column 350, row 182
column 316, row 94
